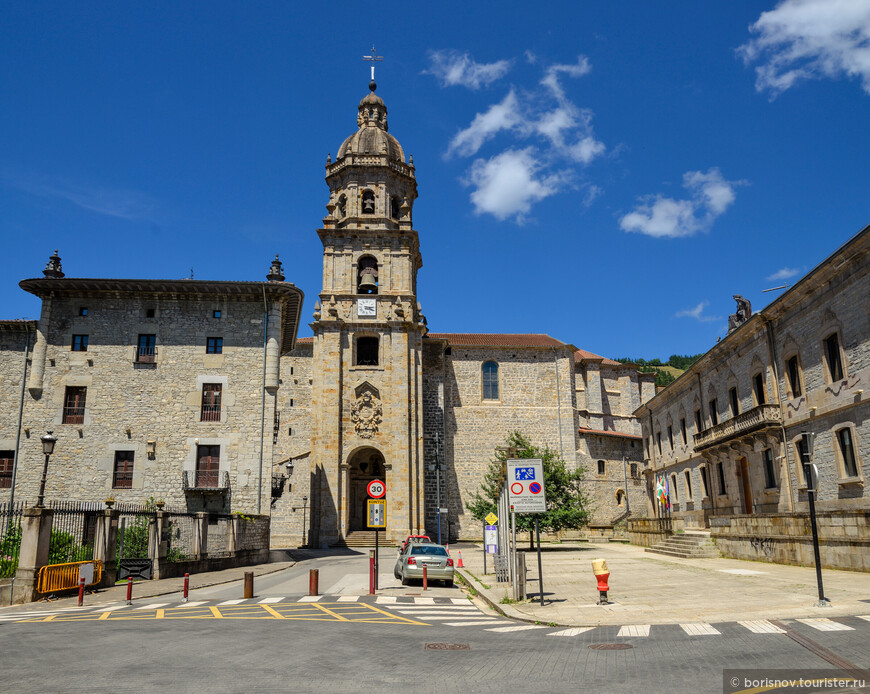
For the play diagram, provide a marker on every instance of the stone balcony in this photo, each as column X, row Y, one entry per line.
column 751, row 421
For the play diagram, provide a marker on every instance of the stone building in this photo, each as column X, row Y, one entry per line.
column 228, row 411
column 727, row 433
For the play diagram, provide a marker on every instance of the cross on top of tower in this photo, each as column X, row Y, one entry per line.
column 374, row 57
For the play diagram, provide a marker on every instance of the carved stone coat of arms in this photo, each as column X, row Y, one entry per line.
column 366, row 414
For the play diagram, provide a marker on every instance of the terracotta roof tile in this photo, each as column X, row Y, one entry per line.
column 599, row 432
column 304, row 340
column 498, row 339
column 582, row 354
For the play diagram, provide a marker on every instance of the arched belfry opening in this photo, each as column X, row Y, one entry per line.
column 367, row 275
column 365, row 465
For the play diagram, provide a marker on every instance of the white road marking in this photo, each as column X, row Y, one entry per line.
column 865, row 617
column 470, row 622
column 570, row 632
column 270, row 601
column 348, row 598
column 634, row 630
column 460, row 601
column 310, row 598
column 761, row 626
column 699, row 629
column 424, row 601
column 824, row 624
column 111, row 609
column 386, row 600
column 452, row 608
column 741, row 572
column 196, row 603
column 441, row 613
column 153, row 606
column 524, row 627
column 232, row 602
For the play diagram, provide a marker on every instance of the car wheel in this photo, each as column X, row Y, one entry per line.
column 397, row 574
column 405, row 581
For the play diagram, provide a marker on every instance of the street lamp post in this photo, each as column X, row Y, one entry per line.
column 811, row 475
column 48, row 442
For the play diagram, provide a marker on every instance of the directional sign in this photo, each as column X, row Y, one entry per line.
column 377, row 513
column 491, row 518
column 376, row 489
column 526, row 485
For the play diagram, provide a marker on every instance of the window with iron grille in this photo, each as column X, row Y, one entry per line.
column 79, row 343
column 214, row 345
column 74, row 404
column 6, row 460
column 208, row 460
column 147, row 349
column 794, row 377
column 758, row 388
column 769, row 472
column 122, row 477
column 847, row 452
column 490, row 380
column 211, row 402
column 832, row 356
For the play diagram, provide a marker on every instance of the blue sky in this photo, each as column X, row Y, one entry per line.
column 608, row 173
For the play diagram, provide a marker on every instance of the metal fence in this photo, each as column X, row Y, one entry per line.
column 73, row 528
column 10, row 538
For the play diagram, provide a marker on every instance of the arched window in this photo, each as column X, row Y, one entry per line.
column 367, row 351
column 367, row 275
column 368, row 202
column 490, row 380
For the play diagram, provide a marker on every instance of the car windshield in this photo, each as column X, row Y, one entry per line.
column 425, row 549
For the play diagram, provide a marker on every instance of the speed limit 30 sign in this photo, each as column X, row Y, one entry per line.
column 376, row 489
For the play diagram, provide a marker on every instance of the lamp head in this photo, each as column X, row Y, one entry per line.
column 48, row 442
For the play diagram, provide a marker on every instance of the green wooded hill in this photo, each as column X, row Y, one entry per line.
column 666, row 372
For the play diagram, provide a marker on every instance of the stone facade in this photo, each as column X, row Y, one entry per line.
column 726, row 432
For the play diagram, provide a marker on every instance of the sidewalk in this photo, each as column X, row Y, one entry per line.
column 648, row 588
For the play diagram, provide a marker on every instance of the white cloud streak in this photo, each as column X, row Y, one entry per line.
column 663, row 217
column 810, row 39
column 452, row 68
column 501, row 116
column 697, row 313
column 783, row 274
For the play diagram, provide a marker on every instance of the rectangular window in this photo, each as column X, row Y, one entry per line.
column 698, row 425
column 74, row 405
column 79, row 343
column 683, row 430
column 659, row 441
column 721, row 471
column 367, row 351
column 208, row 459
column 704, row 482
column 688, row 476
column 832, row 354
column 6, row 460
column 714, row 412
column 211, row 402
column 601, row 467
column 147, row 349
column 847, row 452
column 214, row 345
column 122, row 477
column 671, row 436
column 794, row 377
column 633, row 469
column 758, row 388
column 769, row 471
column 733, row 402
column 149, row 312
column 490, row 380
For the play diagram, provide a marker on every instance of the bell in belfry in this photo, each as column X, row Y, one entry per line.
column 368, row 280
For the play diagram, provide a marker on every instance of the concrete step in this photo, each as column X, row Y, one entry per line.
column 682, row 555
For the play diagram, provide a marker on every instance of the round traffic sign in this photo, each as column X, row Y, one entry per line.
column 516, row 488
column 376, row 489
column 535, row 487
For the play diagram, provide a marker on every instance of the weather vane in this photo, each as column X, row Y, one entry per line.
column 374, row 57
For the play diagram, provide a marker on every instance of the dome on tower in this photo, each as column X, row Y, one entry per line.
column 372, row 136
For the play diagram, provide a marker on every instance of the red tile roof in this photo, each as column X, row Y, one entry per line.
column 498, row 339
column 599, row 432
column 304, row 340
column 582, row 354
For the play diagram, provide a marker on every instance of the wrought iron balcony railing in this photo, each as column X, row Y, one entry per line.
column 756, row 419
column 205, row 481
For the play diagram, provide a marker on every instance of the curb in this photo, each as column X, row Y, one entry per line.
column 488, row 596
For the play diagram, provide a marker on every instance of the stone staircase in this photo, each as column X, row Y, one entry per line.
column 363, row 538
column 692, row 544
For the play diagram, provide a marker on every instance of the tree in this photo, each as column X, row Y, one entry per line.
column 568, row 507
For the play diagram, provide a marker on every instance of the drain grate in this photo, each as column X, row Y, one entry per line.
column 447, row 647
column 610, row 646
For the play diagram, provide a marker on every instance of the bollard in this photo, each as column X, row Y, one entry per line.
column 313, row 578
column 249, row 585
column 371, row 572
column 130, row 590
column 425, row 578
column 599, row 568
column 81, row 591
column 186, row 587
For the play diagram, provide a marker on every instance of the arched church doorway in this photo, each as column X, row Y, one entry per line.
column 365, row 465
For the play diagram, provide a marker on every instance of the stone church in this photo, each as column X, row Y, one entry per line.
column 199, row 393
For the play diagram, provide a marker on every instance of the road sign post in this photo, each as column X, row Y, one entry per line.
column 377, row 516
column 525, row 481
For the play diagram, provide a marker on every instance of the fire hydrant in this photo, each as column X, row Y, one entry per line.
column 599, row 568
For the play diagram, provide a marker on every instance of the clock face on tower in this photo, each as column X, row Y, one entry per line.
column 366, row 307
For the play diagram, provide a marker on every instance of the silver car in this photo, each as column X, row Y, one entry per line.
column 439, row 565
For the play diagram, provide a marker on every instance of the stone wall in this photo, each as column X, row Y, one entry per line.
column 12, row 342
column 647, row 532
column 602, row 488
column 844, row 538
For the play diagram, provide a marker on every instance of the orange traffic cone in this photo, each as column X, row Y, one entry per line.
column 460, row 564
column 448, row 548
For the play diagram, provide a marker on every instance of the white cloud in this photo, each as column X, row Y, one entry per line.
column 531, row 58
column 662, row 217
column 810, row 39
column 697, row 313
column 453, row 68
column 593, row 192
column 783, row 274
column 507, row 184
column 500, row 116
column 551, row 77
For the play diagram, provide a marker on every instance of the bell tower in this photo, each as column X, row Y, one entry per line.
column 367, row 410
